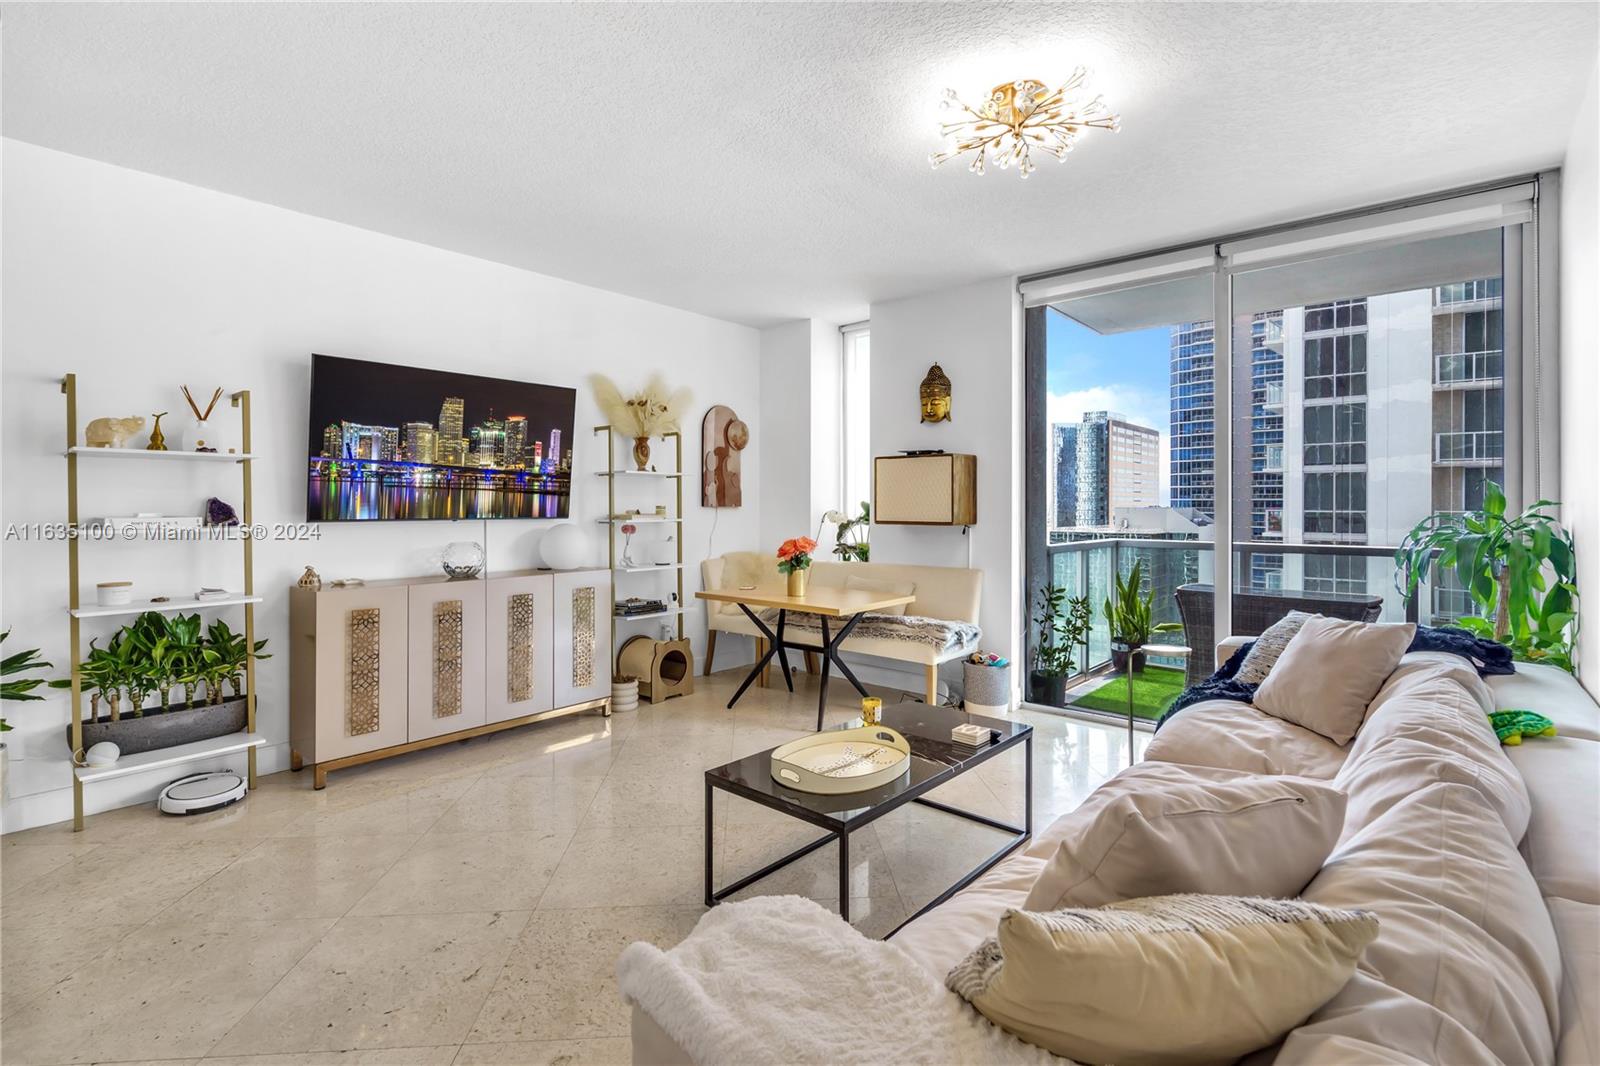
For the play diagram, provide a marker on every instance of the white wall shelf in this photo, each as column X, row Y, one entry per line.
column 670, row 612
column 180, row 753
column 140, row 453
column 639, row 518
column 636, row 473
column 667, row 567
column 182, row 603
column 674, row 521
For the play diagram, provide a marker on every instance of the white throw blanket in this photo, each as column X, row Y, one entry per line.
column 781, row 980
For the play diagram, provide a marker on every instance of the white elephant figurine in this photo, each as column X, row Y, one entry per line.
column 112, row 432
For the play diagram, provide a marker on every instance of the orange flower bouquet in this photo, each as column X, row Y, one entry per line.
column 794, row 559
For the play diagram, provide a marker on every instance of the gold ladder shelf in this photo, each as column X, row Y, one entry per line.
column 612, row 474
column 241, row 400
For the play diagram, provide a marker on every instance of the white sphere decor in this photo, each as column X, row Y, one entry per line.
column 564, row 547
column 104, row 753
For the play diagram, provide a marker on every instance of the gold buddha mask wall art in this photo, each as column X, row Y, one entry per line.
column 935, row 395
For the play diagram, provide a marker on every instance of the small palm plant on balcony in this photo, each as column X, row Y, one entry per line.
column 1063, row 627
column 1128, row 612
column 1519, row 570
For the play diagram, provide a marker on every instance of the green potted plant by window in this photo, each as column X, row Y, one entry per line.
column 1063, row 626
column 1127, row 613
column 1520, row 570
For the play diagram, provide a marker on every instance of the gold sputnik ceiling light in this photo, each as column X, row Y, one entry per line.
column 1019, row 118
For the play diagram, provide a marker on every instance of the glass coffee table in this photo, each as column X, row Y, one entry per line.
column 935, row 760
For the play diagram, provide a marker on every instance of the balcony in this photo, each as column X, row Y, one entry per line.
column 1086, row 567
column 1272, row 395
column 1473, row 447
column 1455, row 370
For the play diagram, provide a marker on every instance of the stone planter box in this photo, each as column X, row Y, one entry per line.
column 154, row 729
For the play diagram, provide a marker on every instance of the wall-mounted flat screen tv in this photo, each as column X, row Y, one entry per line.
column 399, row 442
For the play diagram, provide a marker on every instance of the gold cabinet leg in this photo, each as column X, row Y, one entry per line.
column 77, row 804
column 250, row 762
column 319, row 777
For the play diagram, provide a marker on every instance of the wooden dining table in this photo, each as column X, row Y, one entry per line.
column 826, row 603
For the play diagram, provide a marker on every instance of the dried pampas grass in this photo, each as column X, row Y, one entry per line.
column 650, row 412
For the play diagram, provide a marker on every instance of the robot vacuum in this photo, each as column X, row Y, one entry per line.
column 199, row 793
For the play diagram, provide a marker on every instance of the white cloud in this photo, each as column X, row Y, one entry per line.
column 1140, row 406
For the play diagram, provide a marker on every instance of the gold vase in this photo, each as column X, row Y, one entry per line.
column 797, row 583
column 641, row 452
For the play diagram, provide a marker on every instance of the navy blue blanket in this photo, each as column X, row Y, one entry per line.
column 1489, row 657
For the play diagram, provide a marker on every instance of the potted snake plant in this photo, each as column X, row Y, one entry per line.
column 1127, row 613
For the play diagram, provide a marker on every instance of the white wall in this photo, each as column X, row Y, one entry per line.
column 974, row 333
column 800, row 415
column 139, row 284
column 1580, row 366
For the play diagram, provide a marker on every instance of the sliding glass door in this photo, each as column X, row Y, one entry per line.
column 1369, row 372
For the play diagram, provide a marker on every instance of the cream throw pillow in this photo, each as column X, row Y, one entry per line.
column 1330, row 671
column 887, row 588
column 1267, row 648
column 1165, row 980
column 1160, row 828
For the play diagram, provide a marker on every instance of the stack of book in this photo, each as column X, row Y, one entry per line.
column 635, row 605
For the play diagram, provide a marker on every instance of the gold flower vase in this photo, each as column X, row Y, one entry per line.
column 641, row 452
column 797, row 582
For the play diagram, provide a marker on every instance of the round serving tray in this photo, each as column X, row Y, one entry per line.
column 843, row 760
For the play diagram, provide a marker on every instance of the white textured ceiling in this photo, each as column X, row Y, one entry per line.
column 766, row 162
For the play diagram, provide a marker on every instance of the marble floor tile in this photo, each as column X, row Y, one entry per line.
column 393, row 981
column 630, row 866
column 163, row 991
column 632, row 800
column 560, row 981
column 131, row 882
column 21, row 864
column 33, row 959
column 293, row 877
column 615, row 1051
column 745, row 850
column 389, row 1056
column 445, row 872
column 394, row 809
column 510, row 804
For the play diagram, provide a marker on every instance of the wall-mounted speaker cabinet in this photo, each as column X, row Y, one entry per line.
column 925, row 490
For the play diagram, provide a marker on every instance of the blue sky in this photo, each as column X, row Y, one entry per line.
column 1122, row 372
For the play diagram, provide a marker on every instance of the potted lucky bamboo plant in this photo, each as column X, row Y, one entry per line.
column 135, row 683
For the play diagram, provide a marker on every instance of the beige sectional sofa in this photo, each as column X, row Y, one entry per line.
column 1482, row 863
column 948, row 592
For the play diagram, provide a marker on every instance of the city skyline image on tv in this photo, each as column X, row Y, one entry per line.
column 400, row 442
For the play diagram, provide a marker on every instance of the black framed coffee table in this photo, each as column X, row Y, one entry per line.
column 935, row 760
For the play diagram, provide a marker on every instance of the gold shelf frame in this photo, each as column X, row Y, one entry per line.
column 240, row 400
column 611, row 526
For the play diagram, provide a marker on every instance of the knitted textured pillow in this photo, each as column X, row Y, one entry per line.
column 1269, row 646
column 1163, row 980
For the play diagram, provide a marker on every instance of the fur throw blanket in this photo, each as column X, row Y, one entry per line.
column 827, row 995
column 940, row 634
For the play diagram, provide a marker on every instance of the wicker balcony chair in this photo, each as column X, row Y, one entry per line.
column 1254, row 611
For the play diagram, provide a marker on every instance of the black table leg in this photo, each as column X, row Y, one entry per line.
column 710, row 891
column 1027, row 785
column 772, row 649
column 831, row 652
column 822, row 695
column 783, row 655
column 844, row 875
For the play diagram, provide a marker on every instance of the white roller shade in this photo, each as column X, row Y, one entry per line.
column 1418, row 264
column 1459, row 214
column 1148, row 270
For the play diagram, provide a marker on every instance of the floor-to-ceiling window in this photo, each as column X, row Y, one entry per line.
column 1373, row 370
column 855, row 399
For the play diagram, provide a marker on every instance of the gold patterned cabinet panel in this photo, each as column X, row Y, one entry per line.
column 519, row 670
column 582, row 667
column 446, row 657
column 358, row 645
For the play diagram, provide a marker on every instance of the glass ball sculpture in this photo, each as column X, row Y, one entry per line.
column 462, row 559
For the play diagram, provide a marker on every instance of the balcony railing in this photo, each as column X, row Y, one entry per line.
column 1473, row 447
column 1462, row 368
column 1272, row 394
column 1085, row 568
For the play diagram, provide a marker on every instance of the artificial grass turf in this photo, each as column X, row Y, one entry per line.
column 1153, row 689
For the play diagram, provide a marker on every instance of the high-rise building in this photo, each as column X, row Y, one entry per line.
column 451, row 416
column 333, row 442
column 516, row 441
column 1193, row 459
column 1118, row 466
column 555, row 448
column 367, row 442
column 488, row 443
column 418, row 442
column 391, row 444
column 1064, row 474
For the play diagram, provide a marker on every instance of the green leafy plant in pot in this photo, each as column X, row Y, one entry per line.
column 1062, row 625
column 1127, row 612
column 1520, row 570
